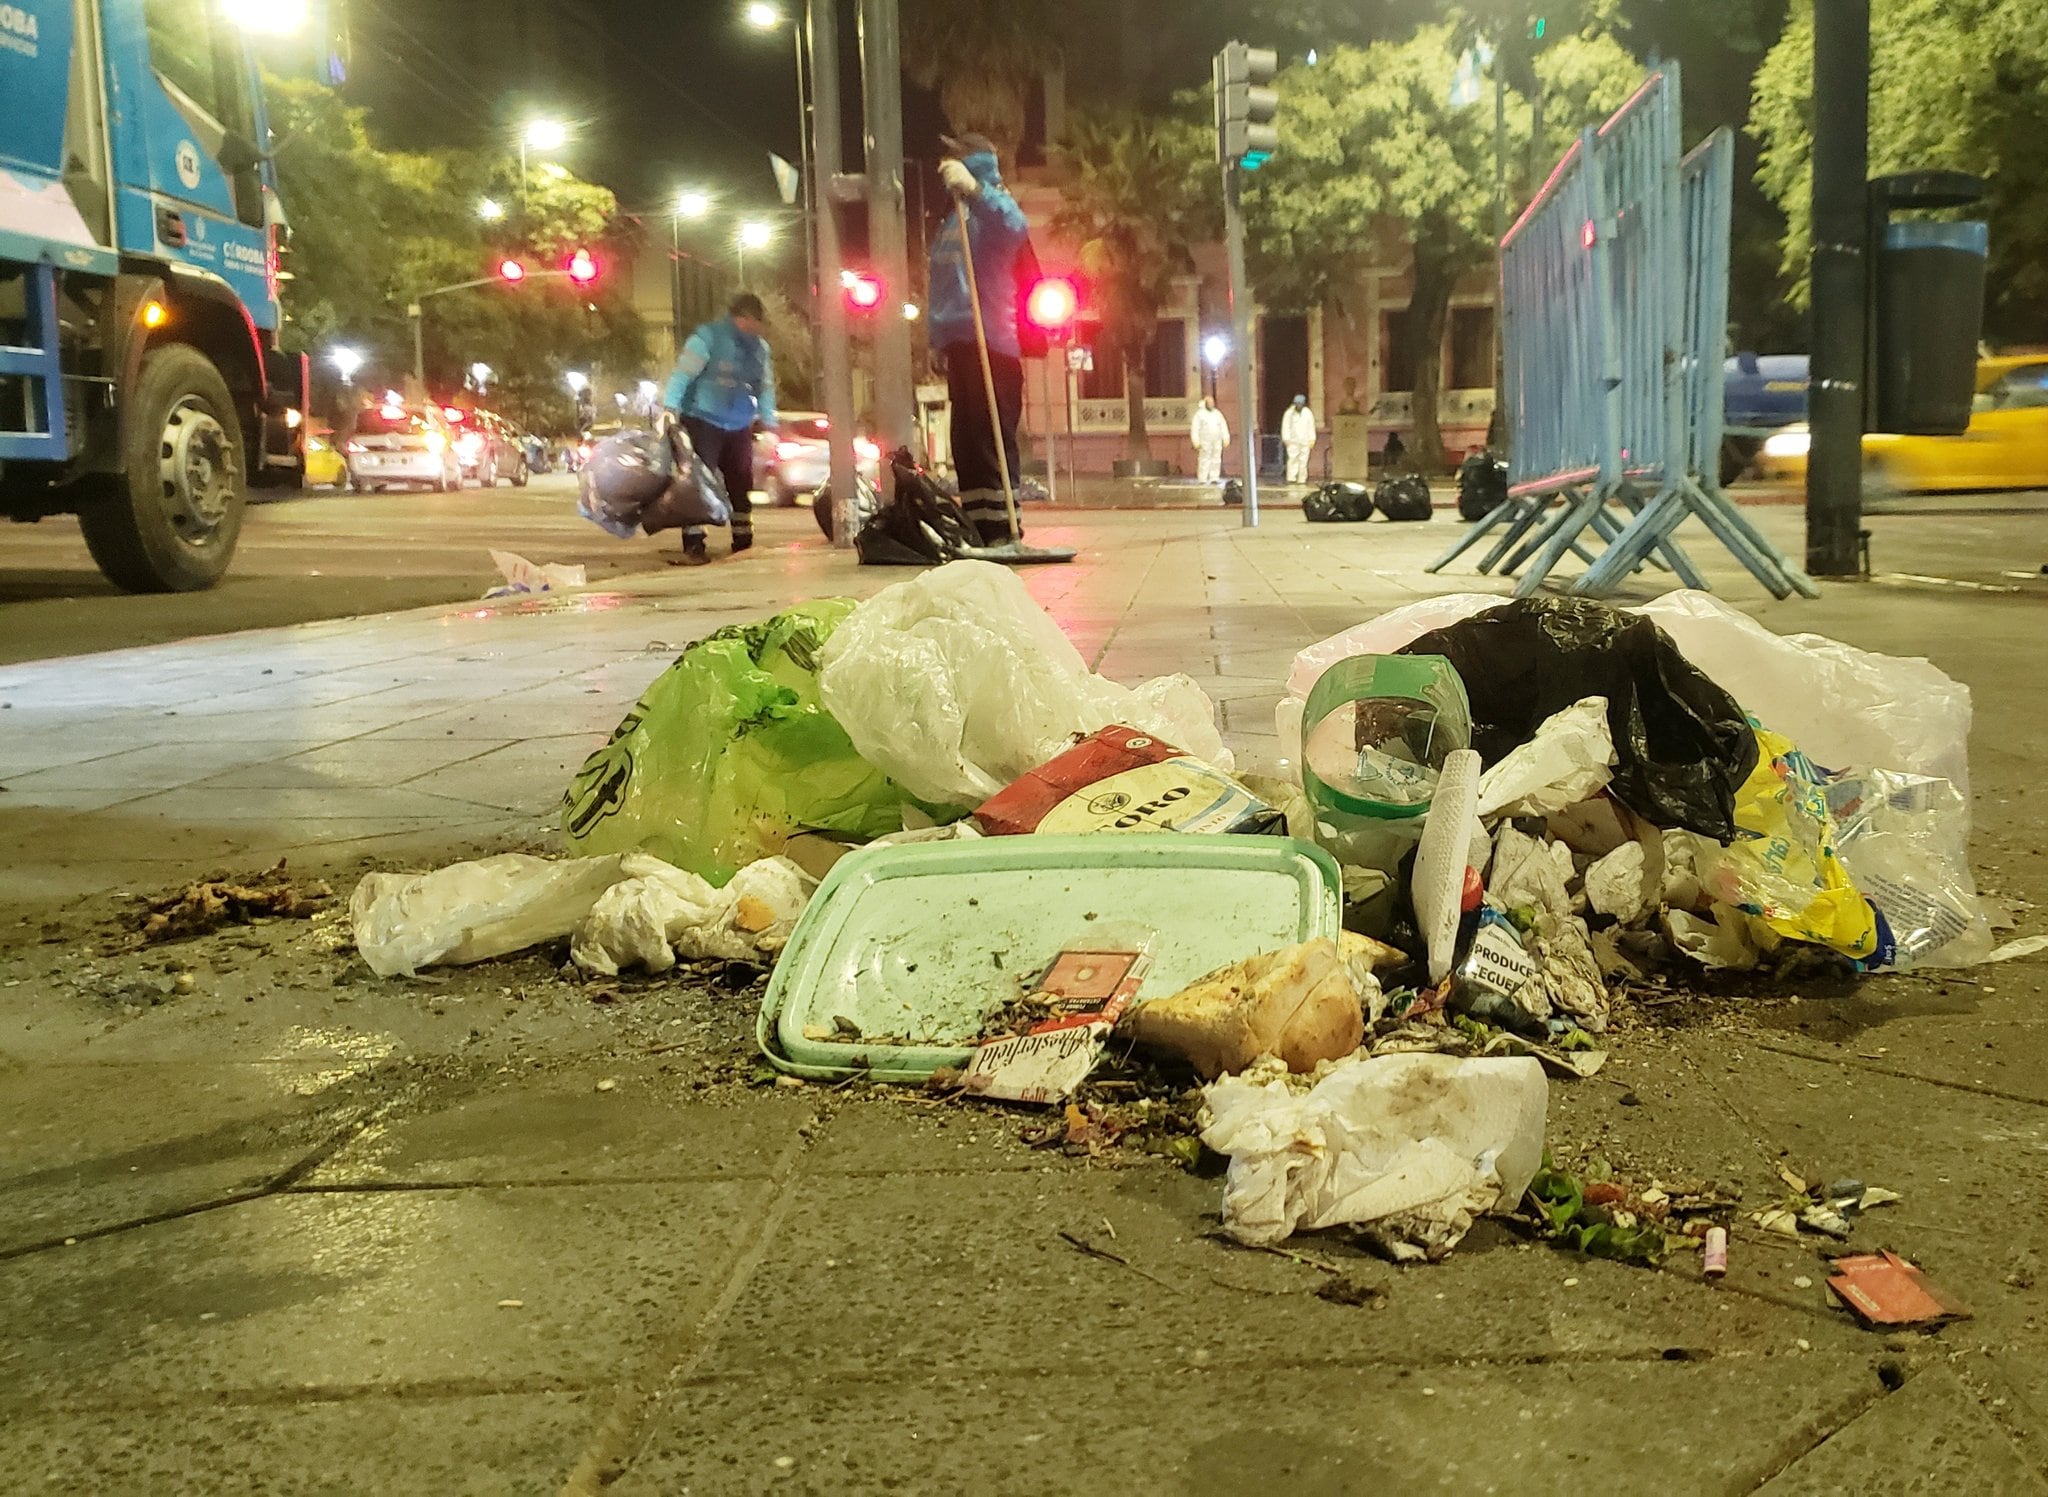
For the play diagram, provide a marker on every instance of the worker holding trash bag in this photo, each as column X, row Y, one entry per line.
column 722, row 389
column 984, row 438
column 1298, row 436
column 1211, row 434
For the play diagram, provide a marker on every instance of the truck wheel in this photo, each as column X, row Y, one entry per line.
column 169, row 522
column 1737, row 453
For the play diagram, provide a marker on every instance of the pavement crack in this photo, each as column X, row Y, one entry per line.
column 1857, row 1063
column 674, row 1362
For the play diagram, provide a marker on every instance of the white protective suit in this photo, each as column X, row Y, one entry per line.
column 1211, row 434
column 1298, row 436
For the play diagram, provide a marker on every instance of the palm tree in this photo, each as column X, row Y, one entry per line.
column 983, row 57
column 1128, row 202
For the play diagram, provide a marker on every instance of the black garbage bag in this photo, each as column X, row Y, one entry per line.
column 825, row 511
column 1683, row 745
column 1403, row 497
column 643, row 480
column 1482, row 486
column 1233, row 491
column 1342, row 502
column 922, row 525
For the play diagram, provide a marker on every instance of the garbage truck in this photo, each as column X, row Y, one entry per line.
column 142, row 387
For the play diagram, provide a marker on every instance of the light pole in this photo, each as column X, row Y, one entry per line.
column 693, row 205
column 753, row 235
column 766, row 17
column 540, row 135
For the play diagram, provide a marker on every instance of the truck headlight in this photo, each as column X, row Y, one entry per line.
column 1788, row 444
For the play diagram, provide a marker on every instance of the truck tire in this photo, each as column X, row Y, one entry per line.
column 169, row 521
column 1737, row 454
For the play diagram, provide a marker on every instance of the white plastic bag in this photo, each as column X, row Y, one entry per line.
column 523, row 576
column 956, row 683
column 1841, row 705
column 471, row 912
column 663, row 914
column 1570, row 759
column 1416, row 1145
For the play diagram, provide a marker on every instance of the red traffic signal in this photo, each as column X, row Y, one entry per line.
column 511, row 272
column 1052, row 305
column 863, row 291
column 582, row 267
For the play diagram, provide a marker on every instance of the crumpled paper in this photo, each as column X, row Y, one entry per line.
column 1411, row 1147
column 1570, row 759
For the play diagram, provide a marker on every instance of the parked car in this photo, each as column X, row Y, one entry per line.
column 408, row 446
column 2006, row 446
column 795, row 460
column 487, row 447
column 326, row 468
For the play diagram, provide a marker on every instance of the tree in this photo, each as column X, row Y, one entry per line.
column 1372, row 149
column 371, row 229
column 983, row 57
column 1961, row 84
column 1129, row 200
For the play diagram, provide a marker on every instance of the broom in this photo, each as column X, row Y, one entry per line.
column 1013, row 552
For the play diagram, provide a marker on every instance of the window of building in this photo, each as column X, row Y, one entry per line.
column 1471, row 348
column 1106, row 380
column 1397, row 352
column 1166, row 360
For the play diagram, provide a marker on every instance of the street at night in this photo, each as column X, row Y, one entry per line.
column 1157, row 747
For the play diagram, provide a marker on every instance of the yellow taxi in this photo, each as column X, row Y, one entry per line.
column 326, row 468
column 2006, row 446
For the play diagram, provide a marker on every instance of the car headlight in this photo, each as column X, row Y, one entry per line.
column 1788, row 444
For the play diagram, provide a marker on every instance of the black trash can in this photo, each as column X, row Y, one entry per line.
column 1930, row 312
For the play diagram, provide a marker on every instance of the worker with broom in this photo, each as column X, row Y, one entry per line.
column 987, row 395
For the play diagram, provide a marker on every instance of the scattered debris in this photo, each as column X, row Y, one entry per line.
column 1884, row 1289
column 206, row 906
column 522, row 576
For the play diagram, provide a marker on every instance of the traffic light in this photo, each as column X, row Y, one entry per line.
column 511, row 272
column 582, row 267
column 1246, row 104
column 863, row 291
column 1051, row 305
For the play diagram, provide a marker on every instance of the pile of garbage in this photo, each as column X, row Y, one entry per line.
column 976, row 865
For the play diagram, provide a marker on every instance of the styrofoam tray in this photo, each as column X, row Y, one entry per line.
column 904, row 951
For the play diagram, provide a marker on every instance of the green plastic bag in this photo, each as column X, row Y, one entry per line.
column 729, row 754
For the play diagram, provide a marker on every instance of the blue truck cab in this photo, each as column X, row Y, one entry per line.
column 1765, row 394
column 141, row 383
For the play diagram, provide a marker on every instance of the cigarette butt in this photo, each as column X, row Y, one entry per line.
column 1716, row 1264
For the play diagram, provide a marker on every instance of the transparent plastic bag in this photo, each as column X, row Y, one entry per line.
column 956, row 683
column 1904, row 840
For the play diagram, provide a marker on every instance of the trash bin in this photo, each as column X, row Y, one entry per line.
column 1930, row 310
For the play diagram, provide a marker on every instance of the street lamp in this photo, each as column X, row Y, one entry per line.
column 539, row 135
column 753, row 235
column 346, row 362
column 1215, row 349
column 480, row 375
column 578, row 381
column 692, row 204
column 763, row 16
column 490, row 210
column 911, row 311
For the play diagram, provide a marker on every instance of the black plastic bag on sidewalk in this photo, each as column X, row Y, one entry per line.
column 695, row 494
column 1684, row 747
column 1482, row 486
column 1346, row 503
column 922, row 525
column 1405, row 497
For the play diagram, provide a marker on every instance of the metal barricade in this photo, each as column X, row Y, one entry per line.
column 1614, row 295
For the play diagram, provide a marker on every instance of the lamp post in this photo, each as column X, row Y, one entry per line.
column 763, row 16
column 693, row 205
column 1215, row 349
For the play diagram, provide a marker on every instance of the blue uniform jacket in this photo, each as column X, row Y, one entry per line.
column 999, row 232
column 725, row 377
